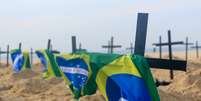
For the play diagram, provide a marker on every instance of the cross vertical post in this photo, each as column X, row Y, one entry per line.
column 154, row 49
column 160, row 47
column 0, row 55
column 197, row 47
column 141, row 33
column 80, row 46
column 170, row 55
column 112, row 43
column 49, row 44
column 74, row 44
column 186, row 48
column 187, row 44
column 131, row 48
column 20, row 45
column 31, row 56
column 7, row 57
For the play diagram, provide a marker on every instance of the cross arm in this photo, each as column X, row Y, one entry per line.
column 3, row 52
column 164, row 64
column 116, row 46
column 196, row 47
column 189, row 43
column 165, row 44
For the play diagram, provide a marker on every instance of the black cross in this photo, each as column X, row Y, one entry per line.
column 80, row 48
column 111, row 45
column 154, row 49
column 154, row 62
column 49, row 45
column 31, row 57
column 169, row 44
column 74, row 48
column 131, row 48
column 7, row 55
column 20, row 46
column 160, row 47
column 197, row 48
column 187, row 44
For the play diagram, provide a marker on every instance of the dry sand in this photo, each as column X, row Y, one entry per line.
column 30, row 86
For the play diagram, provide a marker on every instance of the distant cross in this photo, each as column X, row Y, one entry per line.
column 20, row 46
column 7, row 57
column 197, row 48
column 154, row 62
column 131, row 48
column 31, row 53
column 80, row 48
column 187, row 44
column 160, row 47
column 49, row 45
column 154, row 49
column 74, row 48
column 0, row 55
column 111, row 46
column 169, row 44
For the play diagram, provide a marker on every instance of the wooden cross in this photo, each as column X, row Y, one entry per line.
column 131, row 48
column 7, row 57
column 154, row 49
column 187, row 44
column 74, row 48
column 155, row 62
column 111, row 46
column 49, row 44
column 169, row 44
column 160, row 47
column 80, row 48
column 20, row 46
column 31, row 57
column 197, row 48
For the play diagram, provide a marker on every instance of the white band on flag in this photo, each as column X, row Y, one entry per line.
column 74, row 70
column 18, row 57
column 122, row 99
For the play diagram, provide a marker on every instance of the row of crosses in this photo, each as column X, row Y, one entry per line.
column 186, row 43
column 139, row 48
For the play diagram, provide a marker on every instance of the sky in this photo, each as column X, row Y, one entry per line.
column 32, row 22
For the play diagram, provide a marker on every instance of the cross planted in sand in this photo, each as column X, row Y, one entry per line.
column 140, row 41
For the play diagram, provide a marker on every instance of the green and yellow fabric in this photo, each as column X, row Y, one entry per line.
column 50, row 68
column 121, row 77
column 21, row 60
column 118, row 77
column 75, row 70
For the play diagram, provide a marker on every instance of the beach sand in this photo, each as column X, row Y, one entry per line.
column 30, row 86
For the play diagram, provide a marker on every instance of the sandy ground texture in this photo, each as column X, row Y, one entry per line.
column 30, row 86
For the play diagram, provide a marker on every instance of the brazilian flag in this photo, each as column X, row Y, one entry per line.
column 50, row 68
column 121, row 78
column 75, row 71
column 21, row 60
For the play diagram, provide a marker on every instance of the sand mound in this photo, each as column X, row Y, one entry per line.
column 29, row 85
column 187, row 84
column 25, row 74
